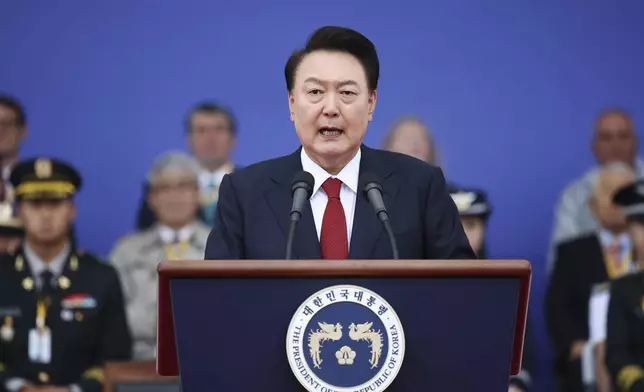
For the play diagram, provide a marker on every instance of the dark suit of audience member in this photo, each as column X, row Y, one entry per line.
column 581, row 264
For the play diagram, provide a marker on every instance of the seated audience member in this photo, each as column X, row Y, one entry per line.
column 410, row 136
column 625, row 319
column 475, row 210
column 614, row 141
column 173, row 195
column 581, row 264
column 61, row 309
column 11, row 229
column 13, row 126
column 212, row 135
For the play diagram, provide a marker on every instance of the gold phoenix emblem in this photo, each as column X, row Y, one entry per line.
column 43, row 168
column 364, row 332
column 326, row 332
column 345, row 355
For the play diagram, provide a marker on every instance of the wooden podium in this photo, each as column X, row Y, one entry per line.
column 236, row 325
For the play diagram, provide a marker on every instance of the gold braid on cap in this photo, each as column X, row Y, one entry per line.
column 35, row 187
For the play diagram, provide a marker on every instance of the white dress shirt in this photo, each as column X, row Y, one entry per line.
column 348, row 191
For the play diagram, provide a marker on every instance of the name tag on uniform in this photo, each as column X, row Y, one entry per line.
column 78, row 301
column 40, row 345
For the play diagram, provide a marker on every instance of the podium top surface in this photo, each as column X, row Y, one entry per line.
column 353, row 268
column 167, row 363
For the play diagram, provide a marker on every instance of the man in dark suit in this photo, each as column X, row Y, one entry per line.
column 331, row 87
column 581, row 264
column 62, row 313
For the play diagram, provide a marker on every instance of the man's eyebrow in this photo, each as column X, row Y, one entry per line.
column 341, row 83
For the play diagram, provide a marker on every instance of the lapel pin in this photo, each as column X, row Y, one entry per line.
column 6, row 331
column 79, row 316
column 28, row 284
column 73, row 263
column 20, row 263
column 64, row 282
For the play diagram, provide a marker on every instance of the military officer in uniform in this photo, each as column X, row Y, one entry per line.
column 625, row 321
column 177, row 234
column 62, row 312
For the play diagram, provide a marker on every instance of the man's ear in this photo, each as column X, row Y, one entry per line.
column 291, row 103
column 373, row 97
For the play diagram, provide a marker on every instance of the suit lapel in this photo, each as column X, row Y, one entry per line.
column 367, row 229
column 279, row 198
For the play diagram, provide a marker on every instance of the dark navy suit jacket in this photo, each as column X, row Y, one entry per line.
column 252, row 217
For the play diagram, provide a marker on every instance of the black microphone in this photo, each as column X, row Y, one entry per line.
column 373, row 191
column 302, row 189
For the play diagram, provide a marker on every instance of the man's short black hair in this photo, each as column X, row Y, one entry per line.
column 338, row 39
column 213, row 108
column 12, row 103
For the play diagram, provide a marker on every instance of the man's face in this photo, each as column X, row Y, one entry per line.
column 47, row 221
column 11, row 133
column 175, row 200
column 410, row 138
column 331, row 106
column 615, row 140
column 211, row 139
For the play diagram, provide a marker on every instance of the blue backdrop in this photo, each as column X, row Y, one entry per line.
column 510, row 90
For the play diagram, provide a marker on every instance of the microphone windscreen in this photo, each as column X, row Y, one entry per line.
column 303, row 177
column 368, row 178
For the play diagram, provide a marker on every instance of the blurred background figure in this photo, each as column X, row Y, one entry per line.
column 580, row 264
column 173, row 196
column 475, row 210
column 11, row 228
column 13, row 130
column 71, row 317
column 211, row 132
column 614, row 141
column 410, row 136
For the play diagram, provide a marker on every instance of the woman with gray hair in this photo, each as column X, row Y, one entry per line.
column 178, row 234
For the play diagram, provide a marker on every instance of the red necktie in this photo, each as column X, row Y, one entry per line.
column 333, row 239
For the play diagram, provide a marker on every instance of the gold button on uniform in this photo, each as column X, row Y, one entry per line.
column 43, row 377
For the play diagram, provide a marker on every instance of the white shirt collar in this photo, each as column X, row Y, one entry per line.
column 208, row 178
column 38, row 265
column 607, row 238
column 169, row 235
column 348, row 175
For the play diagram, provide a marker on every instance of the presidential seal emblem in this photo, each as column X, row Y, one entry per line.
column 345, row 339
